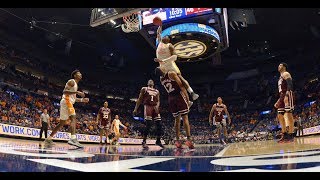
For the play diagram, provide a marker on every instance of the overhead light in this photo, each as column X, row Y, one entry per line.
column 102, row 13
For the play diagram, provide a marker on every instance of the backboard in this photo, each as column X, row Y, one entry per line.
column 101, row 16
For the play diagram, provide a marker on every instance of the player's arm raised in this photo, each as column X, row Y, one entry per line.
column 176, row 78
column 159, row 31
column 142, row 91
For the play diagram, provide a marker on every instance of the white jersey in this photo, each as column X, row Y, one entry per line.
column 117, row 124
column 163, row 51
column 71, row 97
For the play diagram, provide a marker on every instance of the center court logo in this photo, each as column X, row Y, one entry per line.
column 190, row 48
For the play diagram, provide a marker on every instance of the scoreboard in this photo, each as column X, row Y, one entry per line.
column 171, row 14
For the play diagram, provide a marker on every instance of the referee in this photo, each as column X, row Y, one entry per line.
column 44, row 122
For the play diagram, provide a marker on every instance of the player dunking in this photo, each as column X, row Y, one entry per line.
column 104, row 121
column 178, row 103
column 115, row 127
column 150, row 98
column 285, row 103
column 166, row 56
column 67, row 111
column 216, row 118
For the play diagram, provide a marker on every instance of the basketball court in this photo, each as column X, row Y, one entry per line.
column 18, row 155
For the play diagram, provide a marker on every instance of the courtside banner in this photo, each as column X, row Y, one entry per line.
column 20, row 131
column 311, row 130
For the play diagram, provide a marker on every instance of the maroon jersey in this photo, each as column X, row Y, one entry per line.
column 150, row 96
column 282, row 85
column 219, row 112
column 170, row 85
column 104, row 114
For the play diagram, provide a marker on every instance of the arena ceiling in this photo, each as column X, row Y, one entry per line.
column 277, row 30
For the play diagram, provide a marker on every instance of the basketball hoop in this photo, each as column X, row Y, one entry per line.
column 132, row 22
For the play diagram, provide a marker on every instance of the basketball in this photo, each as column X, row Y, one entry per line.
column 157, row 21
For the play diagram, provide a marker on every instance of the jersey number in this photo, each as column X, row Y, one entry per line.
column 105, row 116
column 152, row 98
column 169, row 87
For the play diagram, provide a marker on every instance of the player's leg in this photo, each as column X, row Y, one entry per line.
column 288, row 100
column 73, row 140
column 101, row 133
column 188, row 87
column 186, row 125
column 117, row 136
column 177, row 126
column 225, row 132
column 148, row 124
column 282, row 123
column 157, row 119
column 45, row 130
column 41, row 131
column 48, row 141
column 280, row 110
column 107, row 130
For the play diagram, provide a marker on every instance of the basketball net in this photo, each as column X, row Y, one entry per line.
column 131, row 22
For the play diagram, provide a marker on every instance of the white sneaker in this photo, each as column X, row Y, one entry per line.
column 75, row 142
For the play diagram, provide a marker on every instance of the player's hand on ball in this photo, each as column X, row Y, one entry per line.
column 85, row 100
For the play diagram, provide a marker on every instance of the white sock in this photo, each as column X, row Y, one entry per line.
column 190, row 90
column 73, row 137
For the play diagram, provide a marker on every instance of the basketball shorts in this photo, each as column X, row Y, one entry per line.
column 178, row 105
column 170, row 65
column 286, row 104
column 151, row 113
column 66, row 109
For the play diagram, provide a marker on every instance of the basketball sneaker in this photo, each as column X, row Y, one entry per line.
column 178, row 144
column 48, row 143
column 283, row 138
column 189, row 144
column 75, row 142
column 194, row 96
column 223, row 142
column 159, row 144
